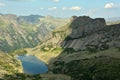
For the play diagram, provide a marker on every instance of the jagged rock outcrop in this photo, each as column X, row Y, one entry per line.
column 90, row 33
column 84, row 25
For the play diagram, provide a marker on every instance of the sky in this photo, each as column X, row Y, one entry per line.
column 62, row 8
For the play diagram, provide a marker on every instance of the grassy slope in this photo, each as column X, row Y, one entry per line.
column 103, row 65
column 9, row 65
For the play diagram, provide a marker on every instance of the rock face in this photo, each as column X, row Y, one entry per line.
column 93, row 34
column 84, row 25
column 103, row 39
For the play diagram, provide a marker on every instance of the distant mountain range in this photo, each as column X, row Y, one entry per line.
column 26, row 31
column 113, row 20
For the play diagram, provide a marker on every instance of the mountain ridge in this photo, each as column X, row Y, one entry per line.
column 25, row 31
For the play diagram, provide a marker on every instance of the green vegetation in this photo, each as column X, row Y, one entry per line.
column 92, row 50
column 50, row 49
column 119, row 49
column 2, row 23
column 43, row 49
column 69, row 50
column 19, row 52
column 98, row 68
column 9, row 65
column 57, row 50
column 2, row 38
column 26, row 31
column 22, row 76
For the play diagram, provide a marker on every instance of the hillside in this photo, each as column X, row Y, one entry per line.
column 9, row 65
column 25, row 31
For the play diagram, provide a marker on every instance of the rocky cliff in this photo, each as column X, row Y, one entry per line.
column 92, row 35
column 82, row 28
column 84, row 25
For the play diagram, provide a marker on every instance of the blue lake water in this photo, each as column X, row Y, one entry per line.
column 32, row 65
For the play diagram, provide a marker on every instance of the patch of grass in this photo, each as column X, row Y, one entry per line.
column 19, row 52
column 92, row 49
column 44, row 48
column 57, row 49
column 2, row 38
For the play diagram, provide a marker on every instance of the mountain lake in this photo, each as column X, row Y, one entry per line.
column 32, row 65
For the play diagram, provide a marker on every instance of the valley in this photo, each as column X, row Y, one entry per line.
column 78, row 48
column 25, row 31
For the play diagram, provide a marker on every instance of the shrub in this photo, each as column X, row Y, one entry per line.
column 119, row 49
column 69, row 50
column 92, row 50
